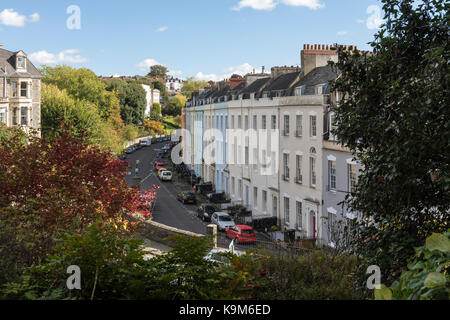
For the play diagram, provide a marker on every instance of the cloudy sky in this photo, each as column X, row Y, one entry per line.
column 207, row 39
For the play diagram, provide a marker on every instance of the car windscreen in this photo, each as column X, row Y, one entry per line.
column 247, row 232
column 225, row 219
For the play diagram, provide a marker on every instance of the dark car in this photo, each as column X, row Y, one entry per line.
column 187, row 197
column 130, row 150
column 205, row 212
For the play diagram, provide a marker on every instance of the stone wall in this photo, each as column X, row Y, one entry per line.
column 159, row 232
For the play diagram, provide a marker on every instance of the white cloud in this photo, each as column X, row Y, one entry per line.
column 162, row 29
column 34, row 17
column 146, row 64
column 242, row 70
column 375, row 19
column 175, row 73
column 272, row 4
column 11, row 18
column 342, row 33
column 66, row 56
column 311, row 4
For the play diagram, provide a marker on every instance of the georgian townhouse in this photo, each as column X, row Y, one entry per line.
column 20, row 91
column 282, row 159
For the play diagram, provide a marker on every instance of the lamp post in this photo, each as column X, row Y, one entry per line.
column 137, row 178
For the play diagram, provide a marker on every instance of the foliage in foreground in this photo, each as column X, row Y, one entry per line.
column 113, row 268
column 395, row 118
column 47, row 189
column 427, row 277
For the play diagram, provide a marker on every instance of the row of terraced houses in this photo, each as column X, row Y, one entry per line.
column 266, row 140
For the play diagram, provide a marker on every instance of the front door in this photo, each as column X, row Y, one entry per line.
column 312, row 225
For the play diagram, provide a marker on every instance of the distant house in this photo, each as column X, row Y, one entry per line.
column 174, row 86
column 20, row 91
column 153, row 96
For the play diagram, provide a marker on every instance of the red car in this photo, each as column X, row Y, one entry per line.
column 242, row 234
column 159, row 167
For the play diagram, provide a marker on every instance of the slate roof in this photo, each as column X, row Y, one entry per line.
column 256, row 86
column 317, row 76
column 8, row 62
column 283, row 82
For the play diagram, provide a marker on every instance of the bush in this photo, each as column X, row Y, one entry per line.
column 427, row 276
column 316, row 275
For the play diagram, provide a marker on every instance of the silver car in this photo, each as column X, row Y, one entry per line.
column 222, row 220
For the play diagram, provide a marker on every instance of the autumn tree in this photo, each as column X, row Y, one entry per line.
column 48, row 188
column 395, row 118
column 154, row 127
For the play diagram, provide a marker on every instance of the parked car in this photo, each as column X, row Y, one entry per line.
column 130, row 150
column 145, row 143
column 159, row 163
column 158, row 174
column 187, row 197
column 159, row 167
column 222, row 220
column 221, row 256
column 165, row 175
column 242, row 234
column 205, row 212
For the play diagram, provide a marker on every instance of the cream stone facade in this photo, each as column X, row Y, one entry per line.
column 277, row 160
column 20, row 91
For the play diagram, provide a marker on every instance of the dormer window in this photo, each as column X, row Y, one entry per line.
column 20, row 62
column 300, row 91
column 266, row 94
column 321, row 88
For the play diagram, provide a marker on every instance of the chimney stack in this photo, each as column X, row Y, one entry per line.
column 263, row 69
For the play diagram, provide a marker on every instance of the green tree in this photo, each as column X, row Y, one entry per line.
column 162, row 89
column 84, row 85
column 175, row 106
column 191, row 85
column 133, row 101
column 58, row 107
column 156, row 112
column 158, row 72
column 395, row 118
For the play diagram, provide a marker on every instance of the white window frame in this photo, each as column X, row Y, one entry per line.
column 313, row 175
column 287, row 210
column 299, row 125
column 299, row 214
column 287, row 120
column 313, row 126
column 332, row 175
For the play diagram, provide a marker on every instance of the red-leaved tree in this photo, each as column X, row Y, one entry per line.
column 58, row 186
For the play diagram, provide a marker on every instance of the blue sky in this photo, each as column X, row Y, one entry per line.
column 209, row 39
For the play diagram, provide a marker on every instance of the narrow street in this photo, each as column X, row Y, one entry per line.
column 168, row 210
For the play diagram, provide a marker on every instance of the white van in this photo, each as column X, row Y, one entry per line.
column 145, row 143
column 165, row 176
